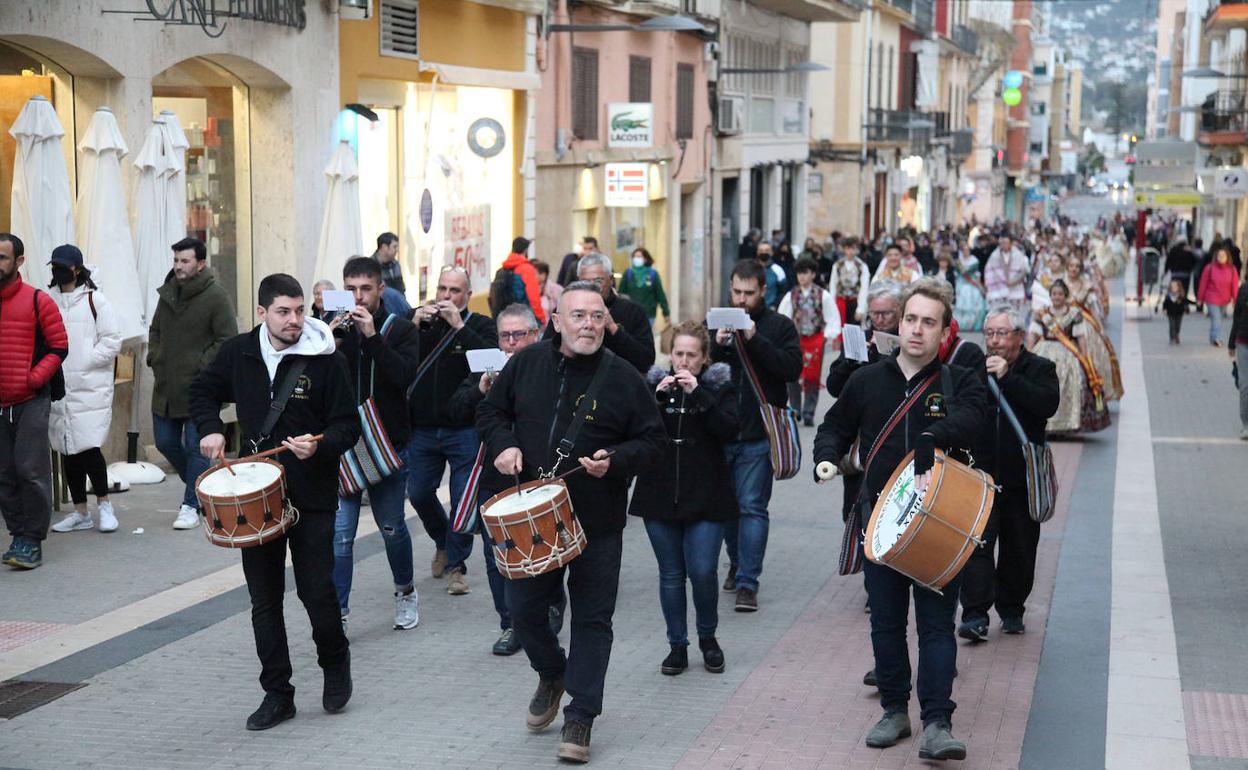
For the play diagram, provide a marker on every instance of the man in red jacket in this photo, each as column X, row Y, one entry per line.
column 33, row 344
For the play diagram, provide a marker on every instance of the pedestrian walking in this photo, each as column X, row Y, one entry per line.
column 33, row 345
column 550, row 289
column 642, row 284
column 78, row 423
column 813, row 310
column 192, row 319
column 517, row 281
column 1175, row 305
column 1218, row 284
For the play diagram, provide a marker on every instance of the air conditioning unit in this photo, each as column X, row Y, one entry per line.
column 355, row 10
column 731, row 114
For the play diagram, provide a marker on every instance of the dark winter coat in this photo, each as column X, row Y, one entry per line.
column 776, row 354
column 1030, row 387
column 531, row 405
column 693, row 481
column 191, row 322
column 428, row 403
column 321, row 403
column 396, row 355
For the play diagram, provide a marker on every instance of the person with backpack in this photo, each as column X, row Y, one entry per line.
column 643, row 285
column 516, row 281
column 33, row 345
column 79, row 423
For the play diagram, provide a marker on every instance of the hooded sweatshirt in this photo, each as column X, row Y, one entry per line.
column 522, row 267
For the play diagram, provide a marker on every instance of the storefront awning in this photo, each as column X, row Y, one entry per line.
column 486, row 78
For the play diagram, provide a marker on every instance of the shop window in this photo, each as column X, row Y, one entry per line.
column 585, row 93
column 684, row 101
column 639, row 79
column 400, row 29
column 21, row 77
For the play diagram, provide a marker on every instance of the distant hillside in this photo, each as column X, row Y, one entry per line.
column 1115, row 41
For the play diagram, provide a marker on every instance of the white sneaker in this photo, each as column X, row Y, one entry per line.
column 108, row 521
column 74, row 522
column 406, row 612
column 188, row 518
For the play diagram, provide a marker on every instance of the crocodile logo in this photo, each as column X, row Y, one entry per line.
column 624, row 122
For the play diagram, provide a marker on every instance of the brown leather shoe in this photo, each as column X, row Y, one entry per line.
column 747, row 600
column 438, row 567
column 456, row 584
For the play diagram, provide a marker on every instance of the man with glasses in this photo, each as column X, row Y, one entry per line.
column 448, row 330
column 1029, row 385
column 628, row 333
column 523, row 421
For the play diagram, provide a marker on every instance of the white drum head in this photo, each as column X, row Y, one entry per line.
column 525, row 500
column 247, row 478
column 900, row 504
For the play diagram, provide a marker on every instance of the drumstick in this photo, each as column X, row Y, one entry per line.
column 581, row 467
column 277, row 449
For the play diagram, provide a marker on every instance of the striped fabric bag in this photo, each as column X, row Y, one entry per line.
column 780, row 422
column 467, row 513
column 373, row 459
column 1038, row 458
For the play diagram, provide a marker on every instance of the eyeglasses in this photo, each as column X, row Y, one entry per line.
column 580, row 316
column 881, row 313
column 993, row 333
column 454, row 269
column 514, row 336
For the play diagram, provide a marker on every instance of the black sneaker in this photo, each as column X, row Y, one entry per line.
column 544, row 706
column 1013, row 626
column 8, row 554
column 338, row 686
column 809, row 422
column 869, row 679
column 574, row 742
column 974, row 630
column 676, row 661
column 507, row 643
column 25, row 554
column 712, row 656
column 272, row 712
column 747, row 600
column 730, row 580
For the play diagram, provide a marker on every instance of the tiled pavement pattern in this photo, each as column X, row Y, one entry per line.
column 14, row 634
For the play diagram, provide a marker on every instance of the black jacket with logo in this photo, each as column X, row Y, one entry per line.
column 871, row 395
column 321, row 403
column 532, row 403
column 1030, row 386
column 429, row 403
column 776, row 353
column 396, row 355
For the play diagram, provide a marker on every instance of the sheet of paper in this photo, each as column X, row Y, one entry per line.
column 728, row 318
column 335, row 300
column 487, row 360
column 886, row 343
column 855, row 342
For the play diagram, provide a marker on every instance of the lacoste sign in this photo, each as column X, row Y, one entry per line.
column 630, row 124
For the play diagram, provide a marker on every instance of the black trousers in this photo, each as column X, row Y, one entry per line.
column 1176, row 325
column 593, row 581
column 1007, row 583
column 78, row 467
column 312, row 554
column 26, row 468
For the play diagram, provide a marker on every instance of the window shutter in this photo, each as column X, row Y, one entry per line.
column 639, row 78
column 585, row 93
column 399, row 29
column 684, row 101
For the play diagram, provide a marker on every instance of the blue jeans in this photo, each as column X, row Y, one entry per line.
column 178, row 440
column 687, row 550
column 428, row 453
column 1216, row 314
column 387, row 501
column 888, row 593
column 747, row 541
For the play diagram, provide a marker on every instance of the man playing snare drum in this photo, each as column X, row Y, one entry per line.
column 523, row 421
column 942, row 417
column 247, row 372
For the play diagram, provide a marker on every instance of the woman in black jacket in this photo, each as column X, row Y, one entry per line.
column 686, row 500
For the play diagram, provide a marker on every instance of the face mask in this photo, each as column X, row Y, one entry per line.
column 62, row 275
column 639, row 262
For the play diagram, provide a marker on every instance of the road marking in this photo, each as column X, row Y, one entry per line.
column 81, row 636
column 1144, row 712
column 1217, row 440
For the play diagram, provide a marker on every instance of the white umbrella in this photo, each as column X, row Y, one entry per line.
column 42, row 208
column 156, row 162
column 342, row 231
column 103, row 227
column 175, row 210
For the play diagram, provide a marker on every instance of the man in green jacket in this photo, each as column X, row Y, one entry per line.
column 192, row 319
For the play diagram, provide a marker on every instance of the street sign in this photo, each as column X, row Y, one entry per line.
column 1230, row 183
column 627, row 185
column 630, row 124
column 1182, row 199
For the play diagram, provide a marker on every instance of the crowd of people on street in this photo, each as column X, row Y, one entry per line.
column 376, row 403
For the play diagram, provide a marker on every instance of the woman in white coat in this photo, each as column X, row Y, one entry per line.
column 78, row 423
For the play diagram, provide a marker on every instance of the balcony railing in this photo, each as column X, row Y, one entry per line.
column 965, row 38
column 1224, row 118
column 918, row 129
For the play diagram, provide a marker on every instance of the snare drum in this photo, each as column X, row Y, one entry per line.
column 929, row 538
column 246, row 507
column 533, row 531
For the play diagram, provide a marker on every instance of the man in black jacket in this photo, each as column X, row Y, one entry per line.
column 448, row 330
column 628, row 331
column 1030, row 386
column 382, row 352
column 938, row 418
column 524, row 422
column 774, row 350
column 247, row 371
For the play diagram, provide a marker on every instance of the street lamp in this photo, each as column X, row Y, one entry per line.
column 654, row 24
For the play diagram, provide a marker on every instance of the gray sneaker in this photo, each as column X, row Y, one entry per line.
column 938, row 743
column 892, row 727
column 406, row 610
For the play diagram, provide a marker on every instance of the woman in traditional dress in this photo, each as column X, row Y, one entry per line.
column 1058, row 333
column 969, row 306
column 1085, row 298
